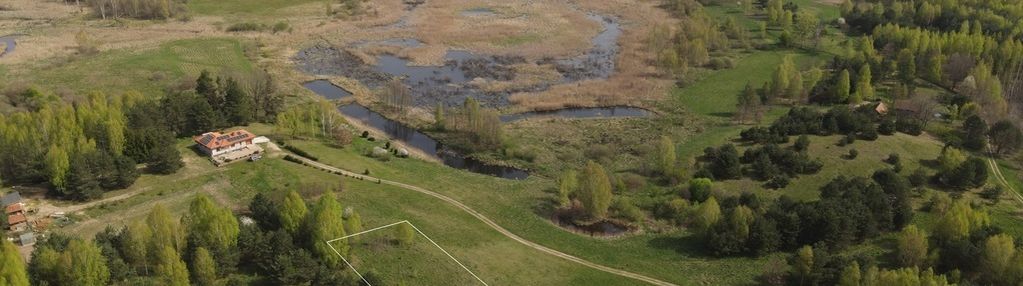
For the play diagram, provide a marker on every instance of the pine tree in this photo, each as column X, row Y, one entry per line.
column 237, row 104
column 207, row 88
column 292, row 212
column 595, row 190
column 164, row 159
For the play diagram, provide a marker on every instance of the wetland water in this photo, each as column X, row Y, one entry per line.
column 327, row 89
column 454, row 81
column 451, row 83
column 9, row 45
column 592, row 112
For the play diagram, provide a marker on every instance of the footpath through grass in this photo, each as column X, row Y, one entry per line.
column 519, row 207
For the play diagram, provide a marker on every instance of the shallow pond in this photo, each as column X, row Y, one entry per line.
column 591, row 112
column 479, row 12
column 9, row 45
column 599, row 61
column 393, row 42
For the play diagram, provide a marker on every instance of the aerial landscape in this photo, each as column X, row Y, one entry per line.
column 511, row 142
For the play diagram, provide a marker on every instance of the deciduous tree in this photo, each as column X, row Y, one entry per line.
column 595, row 190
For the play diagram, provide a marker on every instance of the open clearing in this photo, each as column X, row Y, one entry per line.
column 384, row 253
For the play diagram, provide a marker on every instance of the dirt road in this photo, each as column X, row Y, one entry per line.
column 491, row 223
column 1001, row 179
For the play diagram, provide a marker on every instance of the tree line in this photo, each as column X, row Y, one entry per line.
column 482, row 126
column 972, row 47
column 207, row 246
column 81, row 149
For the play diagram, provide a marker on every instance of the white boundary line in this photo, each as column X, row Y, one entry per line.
column 390, row 225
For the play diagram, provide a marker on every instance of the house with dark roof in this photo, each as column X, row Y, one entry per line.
column 216, row 143
column 10, row 199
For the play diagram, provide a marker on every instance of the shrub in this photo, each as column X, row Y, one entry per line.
column 628, row 210
column 992, row 193
column 870, row 134
column 849, row 139
column 802, row 143
column 918, row 178
column 893, row 159
column 699, row 189
column 281, row 27
column 853, row 153
column 909, row 126
column 300, row 152
column 246, row 27
column 777, row 182
column 721, row 63
column 292, row 159
column 365, row 134
column 887, row 127
column 674, row 210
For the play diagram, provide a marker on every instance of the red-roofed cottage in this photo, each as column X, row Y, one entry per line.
column 216, row 143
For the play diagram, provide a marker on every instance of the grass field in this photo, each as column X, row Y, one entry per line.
column 242, row 7
column 149, row 71
column 516, row 205
column 913, row 152
column 496, row 259
column 716, row 93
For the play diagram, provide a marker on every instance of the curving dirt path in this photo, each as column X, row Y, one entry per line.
column 490, row 223
column 1001, row 178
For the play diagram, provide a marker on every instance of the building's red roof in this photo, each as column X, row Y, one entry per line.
column 16, row 219
column 214, row 140
column 14, row 208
